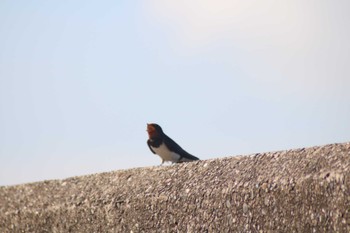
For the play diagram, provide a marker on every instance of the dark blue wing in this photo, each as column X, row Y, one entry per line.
column 173, row 146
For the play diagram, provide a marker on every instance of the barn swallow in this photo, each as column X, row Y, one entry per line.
column 168, row 150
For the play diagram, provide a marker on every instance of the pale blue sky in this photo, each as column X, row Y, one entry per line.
column 79, row 80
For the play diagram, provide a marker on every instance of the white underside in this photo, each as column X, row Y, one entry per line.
column 166, row 154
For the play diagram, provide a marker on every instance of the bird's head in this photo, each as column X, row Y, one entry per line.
column 154, row 130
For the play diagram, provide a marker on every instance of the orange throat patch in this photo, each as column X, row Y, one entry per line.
column 152, row 132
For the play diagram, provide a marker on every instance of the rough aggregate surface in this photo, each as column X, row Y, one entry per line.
column 301, row 190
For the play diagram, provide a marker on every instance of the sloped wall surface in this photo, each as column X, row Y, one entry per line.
column 302, row 190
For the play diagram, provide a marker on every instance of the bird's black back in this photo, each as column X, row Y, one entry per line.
column 173, row 146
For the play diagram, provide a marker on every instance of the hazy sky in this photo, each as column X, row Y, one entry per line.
column 79, row 80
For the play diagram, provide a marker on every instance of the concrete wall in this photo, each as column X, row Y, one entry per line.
column 303, row 190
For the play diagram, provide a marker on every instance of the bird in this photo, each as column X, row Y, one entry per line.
column 167, row 149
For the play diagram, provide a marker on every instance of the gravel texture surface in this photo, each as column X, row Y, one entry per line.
column 302, row 190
